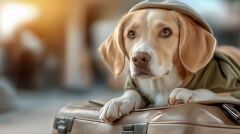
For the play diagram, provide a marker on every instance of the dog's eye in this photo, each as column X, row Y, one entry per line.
column 166, row 32
column 131, row 34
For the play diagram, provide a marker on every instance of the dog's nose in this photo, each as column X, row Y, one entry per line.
column 141, row 59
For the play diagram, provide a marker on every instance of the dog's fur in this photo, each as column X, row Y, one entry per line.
column 172, row 63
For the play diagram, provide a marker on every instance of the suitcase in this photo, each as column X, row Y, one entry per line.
column 192, row 118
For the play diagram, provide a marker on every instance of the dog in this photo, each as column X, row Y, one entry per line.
column 170, row 54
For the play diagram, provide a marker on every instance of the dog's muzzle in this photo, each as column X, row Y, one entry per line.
column 141, row 61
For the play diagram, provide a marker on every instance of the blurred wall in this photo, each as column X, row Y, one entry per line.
column 50, row 44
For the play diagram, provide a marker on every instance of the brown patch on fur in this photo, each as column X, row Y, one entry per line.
column 196, row 44
column 182, row 71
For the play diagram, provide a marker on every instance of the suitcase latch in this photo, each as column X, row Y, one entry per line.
column 140, row 128
column 63, row 124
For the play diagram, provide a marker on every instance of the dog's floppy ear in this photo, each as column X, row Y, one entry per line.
column 112, row 50
column 196, row 45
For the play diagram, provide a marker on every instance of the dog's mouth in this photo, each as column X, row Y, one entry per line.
column 143, row 73
column 146, row 73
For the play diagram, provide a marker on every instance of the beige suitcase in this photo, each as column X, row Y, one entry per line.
column 194, row 118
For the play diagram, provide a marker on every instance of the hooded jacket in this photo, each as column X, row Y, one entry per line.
column 221, row 74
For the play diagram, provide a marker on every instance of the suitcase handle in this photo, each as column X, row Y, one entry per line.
column 232, row 112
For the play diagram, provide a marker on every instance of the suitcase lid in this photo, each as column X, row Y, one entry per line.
column 204, row 112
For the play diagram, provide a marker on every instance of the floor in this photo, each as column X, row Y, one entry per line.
column 36, row 110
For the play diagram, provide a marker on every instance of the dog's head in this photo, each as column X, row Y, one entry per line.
column 156, row 41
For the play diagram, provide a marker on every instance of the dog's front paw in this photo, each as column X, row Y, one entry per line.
column 180, row 95
column 115, row 109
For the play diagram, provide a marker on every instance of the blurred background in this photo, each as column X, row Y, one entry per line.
column 48, row 54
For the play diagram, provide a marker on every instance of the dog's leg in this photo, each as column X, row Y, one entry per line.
column 183, row 95
column 117, row 107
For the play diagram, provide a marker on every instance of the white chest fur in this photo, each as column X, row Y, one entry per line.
column 158, row 90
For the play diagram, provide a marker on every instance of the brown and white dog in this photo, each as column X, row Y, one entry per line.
column 159, row 46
